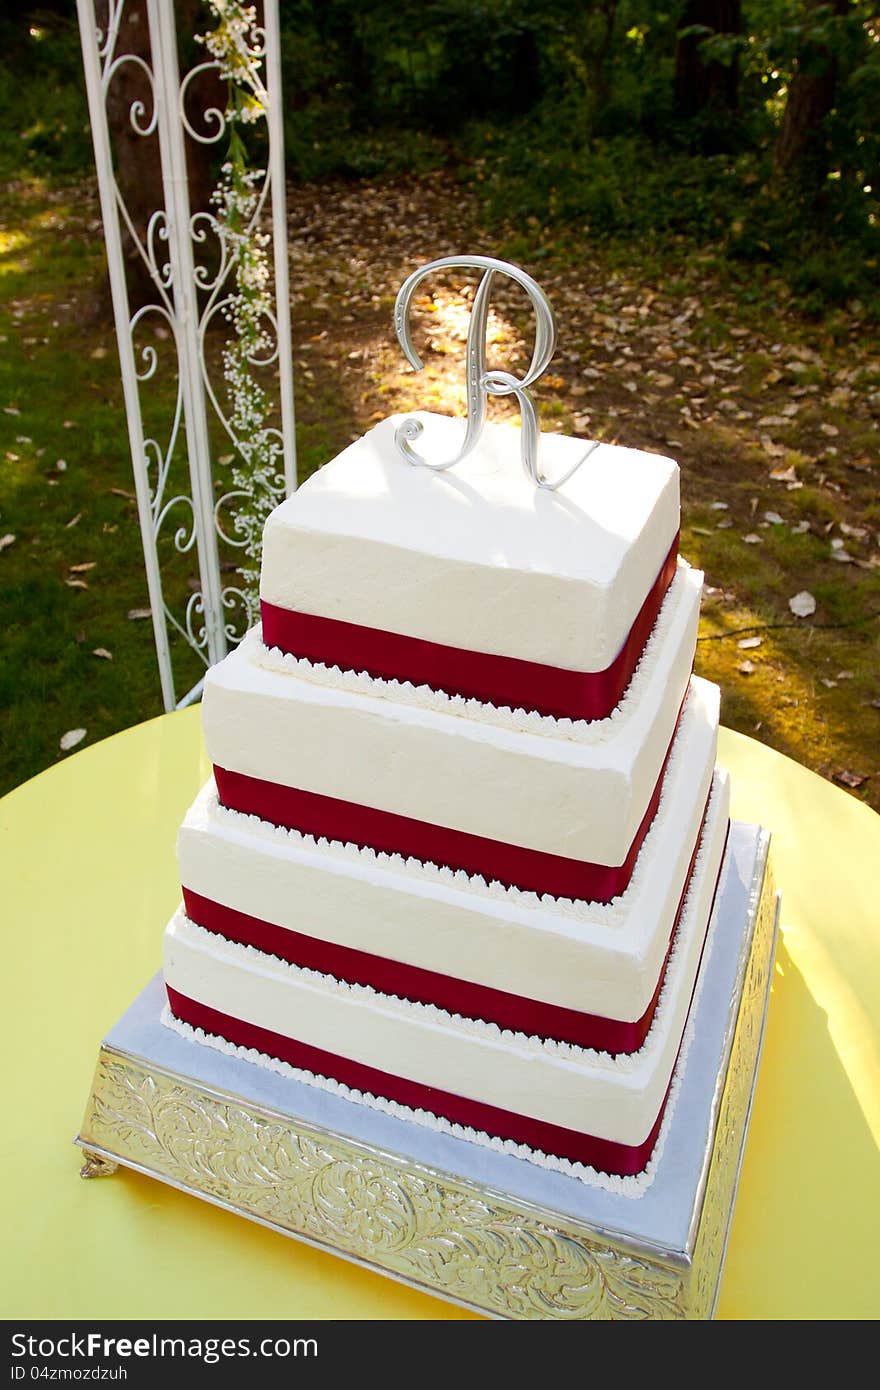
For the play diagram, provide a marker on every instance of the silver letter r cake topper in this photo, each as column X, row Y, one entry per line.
column 482, row 383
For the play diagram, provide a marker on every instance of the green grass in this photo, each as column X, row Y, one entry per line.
column 61, row 400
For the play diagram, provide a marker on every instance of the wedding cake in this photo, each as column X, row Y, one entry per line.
column 458, row 856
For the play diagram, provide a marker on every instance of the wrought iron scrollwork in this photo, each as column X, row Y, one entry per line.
column 190, row 264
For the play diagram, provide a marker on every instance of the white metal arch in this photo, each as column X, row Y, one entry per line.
column 187, row 298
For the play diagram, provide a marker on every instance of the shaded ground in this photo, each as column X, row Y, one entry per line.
column 774, row 421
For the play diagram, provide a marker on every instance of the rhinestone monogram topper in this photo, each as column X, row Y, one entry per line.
column 482, row 383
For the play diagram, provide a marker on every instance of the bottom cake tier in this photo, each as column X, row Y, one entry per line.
column 557, row 1104
column 467, row 1222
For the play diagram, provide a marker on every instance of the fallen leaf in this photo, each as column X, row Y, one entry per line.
column 746, row 668
column 747, row 643
column 76, row 583
column 803, row 605
column 801, row 528
column 102, row 651
column 71, row 739
column 701, row 531
column 752, row 539
column 849, row 779
column 845, row 675
column 784, row 475
column 774, row 518
column 98, row 352
column 858, row 533
column 120, row 492
column 720, row 506
column 829, row 430
column 61, row 465
column 73, row 520
column 81, row 569
column 6, row 540
column 831, row 685
column 135, row 613
column 11, row 410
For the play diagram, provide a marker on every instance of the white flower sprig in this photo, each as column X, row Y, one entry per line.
column 257, row 471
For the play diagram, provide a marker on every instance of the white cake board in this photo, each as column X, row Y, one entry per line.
column 487, row 1230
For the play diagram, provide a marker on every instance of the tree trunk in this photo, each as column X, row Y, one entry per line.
column 701, row 86
column 136, row 157
column 811, row 93
column 596, row 59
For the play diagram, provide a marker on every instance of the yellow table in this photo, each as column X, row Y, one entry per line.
column 90, row 878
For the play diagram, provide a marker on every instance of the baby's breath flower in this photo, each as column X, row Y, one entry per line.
column 257, row 469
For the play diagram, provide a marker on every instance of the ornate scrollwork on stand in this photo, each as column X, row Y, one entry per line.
column 735, row 1104
column 423, row 1226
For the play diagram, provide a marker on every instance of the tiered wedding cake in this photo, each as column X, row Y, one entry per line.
column 460, row 849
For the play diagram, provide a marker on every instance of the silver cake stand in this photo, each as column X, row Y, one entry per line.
column 486, row 1230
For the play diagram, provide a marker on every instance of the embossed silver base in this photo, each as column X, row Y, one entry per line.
column 486, row 1230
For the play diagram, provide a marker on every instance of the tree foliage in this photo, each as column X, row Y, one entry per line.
column 752, row 124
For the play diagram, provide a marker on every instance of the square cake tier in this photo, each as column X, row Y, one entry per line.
column 452, row 781
column 474, row 581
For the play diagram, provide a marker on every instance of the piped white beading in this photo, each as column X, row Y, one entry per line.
column 583, row 798
column 683, row 586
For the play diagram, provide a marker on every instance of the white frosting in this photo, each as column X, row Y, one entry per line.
column 597, row 958
column 477, row 557
column 582, row 797
column 614, row 1098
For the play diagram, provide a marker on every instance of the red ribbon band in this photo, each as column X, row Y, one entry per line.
column 497, row 680
column 532, row 870
column 603, row 1154
column 531, row 1016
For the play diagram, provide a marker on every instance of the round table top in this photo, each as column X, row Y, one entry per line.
column 90, row 880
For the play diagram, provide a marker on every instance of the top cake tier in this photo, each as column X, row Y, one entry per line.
column 473, row 580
